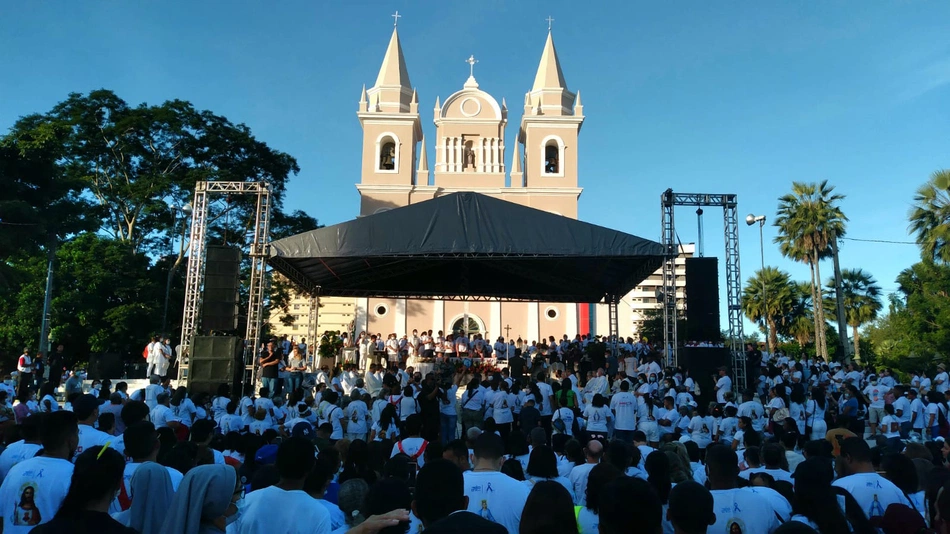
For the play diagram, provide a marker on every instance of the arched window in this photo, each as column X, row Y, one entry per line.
column 387, row 154
column 458, row 327
column 552, row 157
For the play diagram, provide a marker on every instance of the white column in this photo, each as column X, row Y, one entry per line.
column 459, row 155
column 494, row 321
column 481, row 155
column 501, row 159
column 438, row 316
column 533, row 327
column 400, row 326
column 495, row 153
column 362, row 315
column 440, row 154
column 570, row 318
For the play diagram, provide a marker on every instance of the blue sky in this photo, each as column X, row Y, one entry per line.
column 699, row 96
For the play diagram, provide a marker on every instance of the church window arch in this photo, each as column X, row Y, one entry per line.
column 552, row 150
column 387, row 153
column 475, row 325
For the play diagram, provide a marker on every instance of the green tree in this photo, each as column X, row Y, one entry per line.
column 800, row 323
column 766, row 300
column 808, row 219
column 862, row 301
column 930, row 217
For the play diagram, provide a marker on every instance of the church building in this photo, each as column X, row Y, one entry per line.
column 470, row 152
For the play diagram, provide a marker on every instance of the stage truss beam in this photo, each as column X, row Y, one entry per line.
column 728, row 202
column 194, row 280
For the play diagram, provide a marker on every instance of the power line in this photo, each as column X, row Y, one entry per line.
column 880, row 241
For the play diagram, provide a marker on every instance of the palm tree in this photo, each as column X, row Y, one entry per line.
column 930, row 216
column 766, row 299
column 800, row 324
column 808, row 219
column 862, row 301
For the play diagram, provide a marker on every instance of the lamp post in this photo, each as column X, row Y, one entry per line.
column 750, row 220
column 185, row 211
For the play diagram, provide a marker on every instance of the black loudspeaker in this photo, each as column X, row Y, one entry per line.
column 702, row 299
column 703, row 364
column 219, row 305
column 108, row 365
column 215, row 360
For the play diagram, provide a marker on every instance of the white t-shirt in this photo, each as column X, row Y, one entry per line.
column 597, row 418
column 390, row 433
column 90, row 437
column 545, row 408
column 496, row 497
column 15, row 453
column 356, row 415
column 624, row 405
column 891, row 425
column 902, row 404
column 753, row 410
column 566, row 415
column 578, row 478
column 260, row 515
column 32, row 493
column 875, row 395
column 723, row 385
column 412, row 448
column 753, row 512
column 160, row 416
column 152, row 391
column 944, row 380
column 501, row 408
column 701, row 430
column 335, row 416
column 873, row 492
column 447, row 406
column 587, row 522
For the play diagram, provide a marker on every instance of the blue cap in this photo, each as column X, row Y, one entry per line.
column 266, row 455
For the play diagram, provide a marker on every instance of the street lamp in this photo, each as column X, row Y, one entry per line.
column 750, row 220
column 185, row 210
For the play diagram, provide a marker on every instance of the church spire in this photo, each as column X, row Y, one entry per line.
column 549, row 74
column 393, row 71
column 517, row 177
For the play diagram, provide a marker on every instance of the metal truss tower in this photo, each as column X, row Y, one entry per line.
column 194, row 280
column 669, row 200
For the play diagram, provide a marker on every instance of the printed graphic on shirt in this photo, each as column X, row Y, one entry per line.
column 485, row 512
column 736, row 526
column 26, row 512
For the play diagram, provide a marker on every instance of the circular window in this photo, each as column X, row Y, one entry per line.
column 470, row 107
column 551, row 313
column 381, row 310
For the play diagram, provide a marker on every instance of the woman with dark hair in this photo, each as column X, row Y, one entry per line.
column 548, row 510
column 518, row 448
column 566, row 396
column 513, row 469
column 816, row 501
column 219, row 404
column 472, row 401
column 600, row 476
column 815, row 424
column 357, row 463
column 542, row 466
column 598, row 416
column 796, row 408
column 902, row 471
column 96, row 479
column 183, row 407
column 936, row 412
column 658, row 476
column 385, row 429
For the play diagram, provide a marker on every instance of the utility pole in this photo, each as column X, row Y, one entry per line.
column 843, row 346
column 48, row 299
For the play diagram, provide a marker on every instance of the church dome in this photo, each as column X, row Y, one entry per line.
column 471, row 103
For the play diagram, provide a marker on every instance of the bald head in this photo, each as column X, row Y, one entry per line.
column 595, row 450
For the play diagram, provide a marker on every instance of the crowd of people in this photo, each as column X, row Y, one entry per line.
column 631, row 447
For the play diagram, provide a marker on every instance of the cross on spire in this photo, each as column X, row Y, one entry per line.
column 471, row 65
column 396, row 16
column 550, row 22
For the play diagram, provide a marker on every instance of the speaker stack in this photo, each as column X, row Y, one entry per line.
column 702, row 299
column 219, row 306
column 215, row 360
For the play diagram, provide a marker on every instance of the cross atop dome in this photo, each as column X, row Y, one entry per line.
column 396, row 16
column 549, row 19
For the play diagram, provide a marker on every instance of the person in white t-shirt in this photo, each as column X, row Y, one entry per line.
column 723, row 385
column 579, row 474
column 357, row 416
column 856, row 473
column 562, row 422
column 21, row 450
column 624, row 405
column 152, row 390
column 491, row 494
column 941, row 382
column 737, row 509
column 598, row 416
column 412, row 445
column 34, row 489
column 162, row 414
column 295, row 460
column 86, row 409
column 141, row 446
column 874, row 397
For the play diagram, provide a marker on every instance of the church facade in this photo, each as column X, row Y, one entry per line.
column 470, row 152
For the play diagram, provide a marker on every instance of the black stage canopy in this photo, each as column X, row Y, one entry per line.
column 467, row 245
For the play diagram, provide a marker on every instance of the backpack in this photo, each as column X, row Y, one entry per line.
column 145, row 351
column 558, row 423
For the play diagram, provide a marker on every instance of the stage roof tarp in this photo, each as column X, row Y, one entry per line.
column 467, row 245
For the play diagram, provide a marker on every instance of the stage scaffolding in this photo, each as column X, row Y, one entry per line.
column 195, row 276
column 669, row 200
